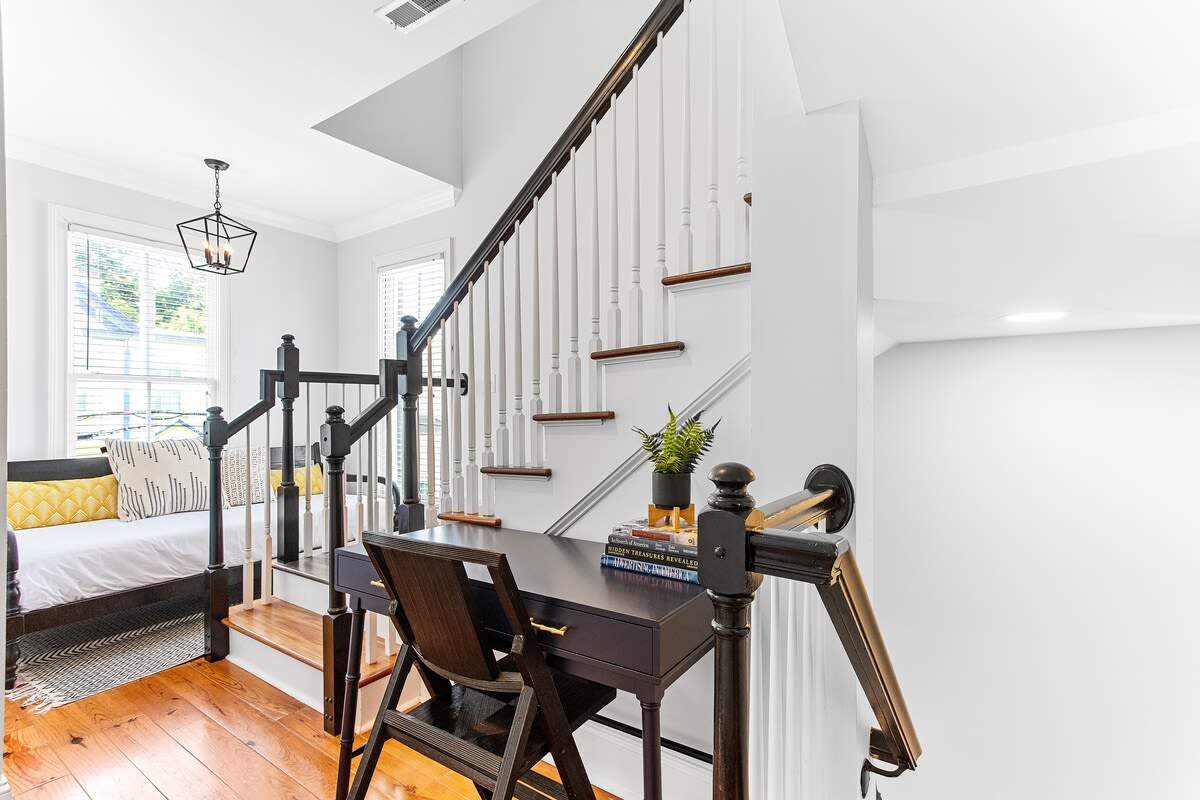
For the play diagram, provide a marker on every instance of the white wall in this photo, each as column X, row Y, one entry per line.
column 290, row 287
column 1035, row 562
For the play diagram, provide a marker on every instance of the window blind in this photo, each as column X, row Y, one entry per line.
column 142, row 349
column 413, row 289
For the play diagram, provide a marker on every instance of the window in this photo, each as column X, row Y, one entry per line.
column 141, row 340
column 412, row 287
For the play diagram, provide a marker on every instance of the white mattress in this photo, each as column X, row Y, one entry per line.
column 65, row 563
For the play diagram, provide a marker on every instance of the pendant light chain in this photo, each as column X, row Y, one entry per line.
column 217, row 201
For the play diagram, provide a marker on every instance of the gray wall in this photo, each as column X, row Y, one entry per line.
column 1035, row 560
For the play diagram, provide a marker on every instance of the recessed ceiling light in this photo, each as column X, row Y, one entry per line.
column 1035, row 316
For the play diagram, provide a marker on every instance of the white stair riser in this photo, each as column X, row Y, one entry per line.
column 299, row 591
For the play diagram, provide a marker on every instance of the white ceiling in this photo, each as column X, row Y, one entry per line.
column 1055, row 132
column 139, row 93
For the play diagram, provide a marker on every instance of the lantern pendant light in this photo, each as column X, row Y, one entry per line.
column 216, row 242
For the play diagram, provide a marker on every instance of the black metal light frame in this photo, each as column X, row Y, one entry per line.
column 217, row 233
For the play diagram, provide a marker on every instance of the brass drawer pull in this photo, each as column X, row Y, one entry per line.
column 378, row 584
column 547, row 629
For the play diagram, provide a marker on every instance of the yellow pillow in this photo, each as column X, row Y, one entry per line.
column 318, row 484
column 39, row 504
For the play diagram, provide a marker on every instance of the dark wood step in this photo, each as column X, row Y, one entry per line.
column 575, row 416
column 638, row 350
column 470, row 519
column 749, row 198
column 706, row 274
column 315, row 568
column 520, row 472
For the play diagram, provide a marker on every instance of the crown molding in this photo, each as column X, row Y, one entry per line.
column 437, row 200
column 21, row 149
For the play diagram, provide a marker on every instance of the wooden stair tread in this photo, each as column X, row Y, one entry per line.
column 638, row 350
column 315, row 568
column 531, row 472
column 706, row 274
column 470, row 519
column 295, row 632
column 575, row 416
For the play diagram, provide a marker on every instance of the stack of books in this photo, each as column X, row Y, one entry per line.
column 666, row 553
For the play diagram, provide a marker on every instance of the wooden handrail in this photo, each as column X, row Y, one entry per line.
column 636, row 53
column 737, row 547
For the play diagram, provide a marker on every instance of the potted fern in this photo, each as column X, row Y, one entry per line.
column 675, row 451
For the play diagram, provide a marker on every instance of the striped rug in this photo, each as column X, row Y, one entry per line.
column 84, row 658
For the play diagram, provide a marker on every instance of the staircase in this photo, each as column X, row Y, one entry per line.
column 554, row 342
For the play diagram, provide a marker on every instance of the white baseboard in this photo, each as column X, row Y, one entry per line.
column 614, row 763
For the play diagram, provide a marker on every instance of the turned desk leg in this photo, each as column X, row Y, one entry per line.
column 349, row 711
column 651, row 751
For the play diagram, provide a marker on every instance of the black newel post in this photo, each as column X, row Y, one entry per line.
column 722, row 554
column 14, row 619
column 335, row 625
column 287, row 548
column 216, row 577
column 411, row 516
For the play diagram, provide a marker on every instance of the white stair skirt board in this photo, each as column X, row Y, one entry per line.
column 529, row 478
column 710, row 283
column 300, row 591
column 304, row 683
column 613, row 760
column 635, row 358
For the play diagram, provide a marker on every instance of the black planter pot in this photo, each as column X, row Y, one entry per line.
column 671, row 490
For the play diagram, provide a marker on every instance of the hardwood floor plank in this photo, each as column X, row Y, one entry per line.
column 64, row 788
column 102, row 770
column 167, row 764
column 267, row 699
column 29, row 769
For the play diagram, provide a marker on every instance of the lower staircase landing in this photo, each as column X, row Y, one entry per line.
column 296, row 632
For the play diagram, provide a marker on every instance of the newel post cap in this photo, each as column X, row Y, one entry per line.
column 732, row 481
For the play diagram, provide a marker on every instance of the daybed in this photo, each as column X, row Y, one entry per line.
column 64, row 573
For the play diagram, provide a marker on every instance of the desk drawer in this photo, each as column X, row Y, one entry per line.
column 358, row 575
column 623, row 644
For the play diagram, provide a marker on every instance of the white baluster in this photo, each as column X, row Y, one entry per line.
column 431, row 503
column 389, row 460
column 472, row 467
column 308, row 513
column 446, row 505
column 685, row 147
column 635, row 290
column 518, row 419
column 268, row 545
column 360, row 482
column 743, row 170
column 458, row 489
column 372, row 479
column 503, row 455
column 713, row 220
column 614, row 250
column 595, row 344
column 556, row 380
column 660, row 200
column 370, row 638
column 535, row 402
column 248, row 547
column 574, row 371
column 489, row 458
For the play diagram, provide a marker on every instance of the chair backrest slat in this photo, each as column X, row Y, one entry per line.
column 436, row 604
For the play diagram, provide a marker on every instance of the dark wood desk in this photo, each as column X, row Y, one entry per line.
column 636, row 633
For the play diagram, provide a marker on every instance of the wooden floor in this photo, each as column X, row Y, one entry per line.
column 199, row 730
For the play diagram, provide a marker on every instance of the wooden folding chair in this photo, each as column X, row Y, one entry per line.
column 488, row 720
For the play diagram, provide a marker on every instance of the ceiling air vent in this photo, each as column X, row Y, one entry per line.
column 409, row 14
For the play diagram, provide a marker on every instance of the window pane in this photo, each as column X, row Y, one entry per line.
column 140, row 318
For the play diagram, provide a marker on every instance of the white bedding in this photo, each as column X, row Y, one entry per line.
column 65, row 563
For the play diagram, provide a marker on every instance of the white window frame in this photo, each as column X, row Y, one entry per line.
column 60, row 384
column 396, row 259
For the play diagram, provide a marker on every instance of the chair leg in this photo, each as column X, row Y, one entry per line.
column 514, row 750
column 391, row 696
